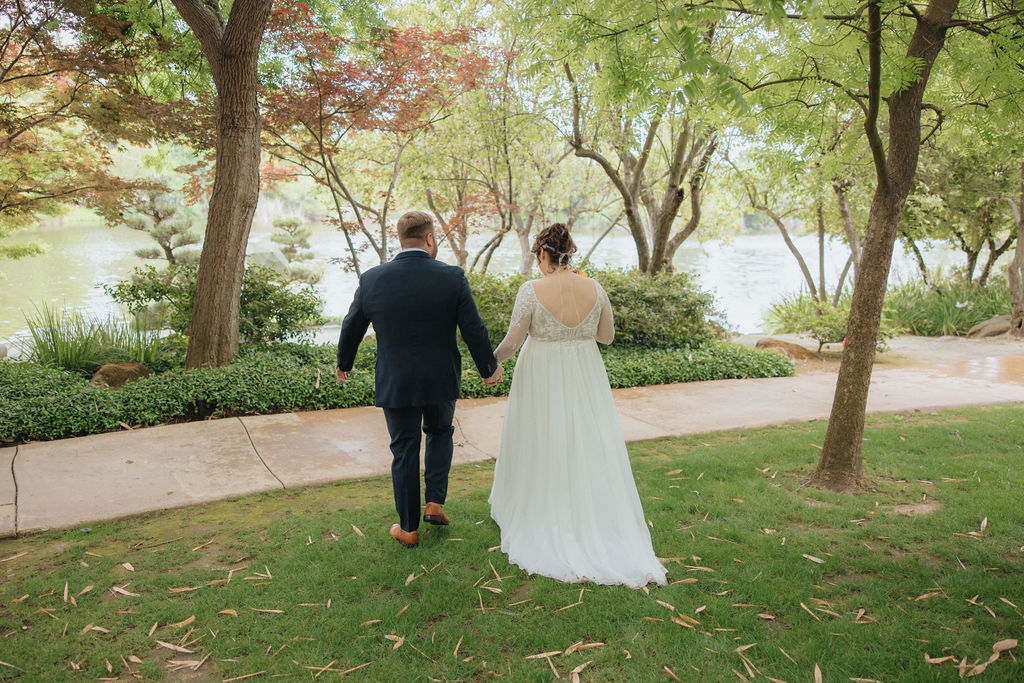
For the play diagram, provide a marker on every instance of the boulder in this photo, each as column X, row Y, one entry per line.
column 794, row 351
column 992, row 327
column 114, row 375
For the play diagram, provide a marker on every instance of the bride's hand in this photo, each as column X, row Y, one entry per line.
column 495, row 378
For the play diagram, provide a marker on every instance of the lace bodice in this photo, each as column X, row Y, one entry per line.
column 529, row 317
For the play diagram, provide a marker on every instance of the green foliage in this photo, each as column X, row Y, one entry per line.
column 48, row 403
column 823, row 322
column 667, row 310
column 951, row 307
column 74, row 342
column 270, row 310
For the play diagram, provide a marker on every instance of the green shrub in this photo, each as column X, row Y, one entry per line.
column 947, row 308
column 46, row 403
column 821, row 321
column 270, row 309
column 664, row 311
column 72, row 341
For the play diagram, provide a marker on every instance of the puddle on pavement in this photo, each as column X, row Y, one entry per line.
column 993, row 368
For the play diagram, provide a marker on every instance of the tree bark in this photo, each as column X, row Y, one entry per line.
column 232, row 51
column 846, row 215
column 1015, row 272
column 840, row 467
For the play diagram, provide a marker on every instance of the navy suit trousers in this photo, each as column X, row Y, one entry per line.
column 404, row 426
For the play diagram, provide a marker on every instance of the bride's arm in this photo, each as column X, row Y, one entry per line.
column 606, row 325
column 522, row 314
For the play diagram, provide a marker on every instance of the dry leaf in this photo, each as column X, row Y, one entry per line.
column 1004, row 645
column 184, row 590
column 65, row 591
column 681, row 622
column 399, row 640
column 371, row 621
column 14, row 557
column 817, row 674
column 938, row 660
column 409, row 579
column 545, row 655
column 766, row 617
column 267, row 611
column 176, row 648
column 807, row 609
column 228, row 612
column 186, row 622
column 455, row 654
column 666, row 605
column 812, row 558
column 128, row 566
column 669, row 671
column 356, row 529
column 118, row 589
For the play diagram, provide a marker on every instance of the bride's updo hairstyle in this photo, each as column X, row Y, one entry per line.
column 557, row 242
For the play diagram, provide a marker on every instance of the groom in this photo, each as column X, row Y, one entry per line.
column 415, row 303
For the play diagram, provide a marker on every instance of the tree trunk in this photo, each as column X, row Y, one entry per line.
column 821, row 253
column 232, row 51
column 995, row 252
column 1015, row 272
column 840, row 467
column 919, row 258
column 848, row 226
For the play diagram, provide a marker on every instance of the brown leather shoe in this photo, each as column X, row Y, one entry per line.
column 434, row 514
column 410, row 539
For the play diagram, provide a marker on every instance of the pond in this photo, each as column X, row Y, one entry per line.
column 746, row 273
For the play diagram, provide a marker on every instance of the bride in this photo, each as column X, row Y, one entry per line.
column 563, row 492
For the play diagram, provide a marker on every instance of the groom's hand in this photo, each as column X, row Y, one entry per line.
column 341, row 375
column 495, row 378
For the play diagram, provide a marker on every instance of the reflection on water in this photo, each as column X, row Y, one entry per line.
column 745, row 274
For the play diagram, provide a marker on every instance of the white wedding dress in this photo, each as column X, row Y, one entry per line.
column 563, row 493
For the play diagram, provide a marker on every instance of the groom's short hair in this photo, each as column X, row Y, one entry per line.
column 415, row 225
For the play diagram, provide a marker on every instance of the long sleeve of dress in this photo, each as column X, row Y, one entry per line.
column 519, row 326
column 606, row 325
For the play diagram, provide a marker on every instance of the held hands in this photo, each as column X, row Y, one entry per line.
column 495, row 378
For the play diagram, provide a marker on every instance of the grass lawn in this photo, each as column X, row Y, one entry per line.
column 770, row 578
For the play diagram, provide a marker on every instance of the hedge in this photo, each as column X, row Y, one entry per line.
column 39, row 403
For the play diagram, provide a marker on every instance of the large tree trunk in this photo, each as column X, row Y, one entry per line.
column 232, row 51
column 840, row 467
column 1015, row 271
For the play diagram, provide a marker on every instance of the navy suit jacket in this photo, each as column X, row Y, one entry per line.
column 415, row 304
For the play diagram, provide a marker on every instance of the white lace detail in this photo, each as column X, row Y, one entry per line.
column 530, row 317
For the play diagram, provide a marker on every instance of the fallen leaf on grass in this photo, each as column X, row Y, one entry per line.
column 228, row 612
column 186, row 622
column 574, row 675
column 492, row 589
column 927, row 596
column 812, row 558
column 14, row 557
column 807, row 609
column 766, row 617
column 409, row 579
column 666, row 605
column 817, row 674
column 242, row 678
column 128, row 566
column 682, row 623
column 544, row 655
column 671, row 673
column 398, row 640
column 938, row 660
column 3, row 663
column 122, row 591
column 455, row 654
column 65, row 591
column 176, row 648
column 356, row 529
column 683, row 581
column 267, row 611
column 184, row 589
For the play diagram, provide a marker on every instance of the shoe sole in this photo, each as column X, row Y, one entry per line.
column 435, row 520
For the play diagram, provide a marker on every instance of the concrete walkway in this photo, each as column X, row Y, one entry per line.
column 74, row 482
